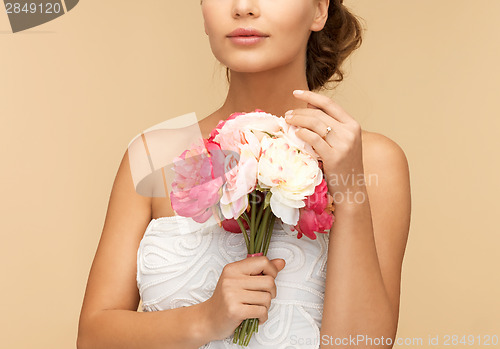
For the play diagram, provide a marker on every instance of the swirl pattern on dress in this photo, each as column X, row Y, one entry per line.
column 179, row 262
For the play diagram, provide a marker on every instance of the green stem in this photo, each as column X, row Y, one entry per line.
column 250, row 333
column 245, row 217
column 263, row 228
column 236, row 334
column 268, row 235
column 243, row 330
column 259, row 214
column 250, row 327
column 256, row 325
column 243, row 231
column 252, row 225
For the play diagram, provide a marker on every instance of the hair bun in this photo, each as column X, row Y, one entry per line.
column 328, row 48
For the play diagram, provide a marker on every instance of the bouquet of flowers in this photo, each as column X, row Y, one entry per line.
column 250, row 171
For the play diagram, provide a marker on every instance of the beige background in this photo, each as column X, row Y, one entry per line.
column 75, row 91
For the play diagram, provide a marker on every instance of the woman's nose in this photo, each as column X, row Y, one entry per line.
column 245, row 8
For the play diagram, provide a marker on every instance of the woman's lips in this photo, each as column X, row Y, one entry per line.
column 247, row 40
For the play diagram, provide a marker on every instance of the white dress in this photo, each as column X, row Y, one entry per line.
column 179, row 262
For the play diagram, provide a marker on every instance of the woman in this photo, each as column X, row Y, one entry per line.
column 319, row 298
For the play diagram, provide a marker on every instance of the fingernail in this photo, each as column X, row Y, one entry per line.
column 298, row 92
column 289, row 112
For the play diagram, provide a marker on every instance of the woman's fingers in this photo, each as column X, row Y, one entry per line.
column 324, row 103
column 263, row 283
column 310, row 117
column 256, row 298
column 257, row 265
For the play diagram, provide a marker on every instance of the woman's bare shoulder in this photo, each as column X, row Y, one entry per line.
column 377, row 141
column 381, row 151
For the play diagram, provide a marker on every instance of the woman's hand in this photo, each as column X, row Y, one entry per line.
column 242, row 293
column 339, row 149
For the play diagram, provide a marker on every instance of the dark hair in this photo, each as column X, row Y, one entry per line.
column 328, row 48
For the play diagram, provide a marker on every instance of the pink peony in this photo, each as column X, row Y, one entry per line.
column 316, row 215
column 240, row 179
column 290, row 175
column 221, row 123
column 232, row 226
column 242, row 148
column 198, row 180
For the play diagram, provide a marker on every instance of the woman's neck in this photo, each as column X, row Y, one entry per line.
column 269, row 90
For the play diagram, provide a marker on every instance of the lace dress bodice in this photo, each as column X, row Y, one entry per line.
column 179, row 262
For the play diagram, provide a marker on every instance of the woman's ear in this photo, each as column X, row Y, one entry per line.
column 321, row 15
